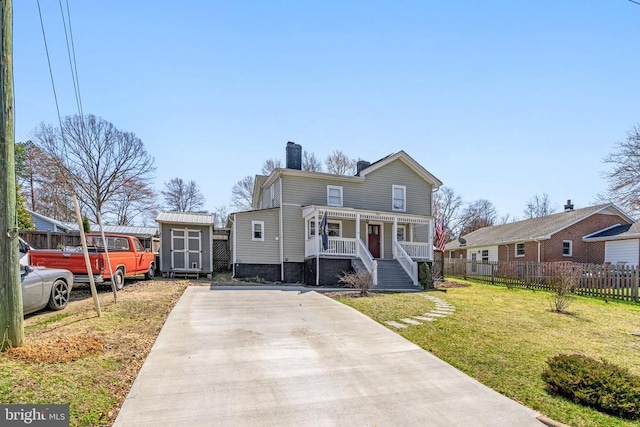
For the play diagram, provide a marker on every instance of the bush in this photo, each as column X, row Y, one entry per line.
column 599, row 384
column 566, row 279
column 425, row 276
column 360, row 280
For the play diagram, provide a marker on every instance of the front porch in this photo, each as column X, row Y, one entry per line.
column 368, row 236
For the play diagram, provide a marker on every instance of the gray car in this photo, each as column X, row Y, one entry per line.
column 45, row 287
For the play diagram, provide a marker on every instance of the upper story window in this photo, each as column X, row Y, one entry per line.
column 334, row 195
column 519, row 249
column 399, row 202
column 257, row 230
column 567, row 248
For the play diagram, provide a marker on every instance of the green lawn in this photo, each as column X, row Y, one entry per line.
column 502, row 338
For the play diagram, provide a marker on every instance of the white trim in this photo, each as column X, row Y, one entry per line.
column 335, row 187
column 381, row 225
column 570, row 254
column 515, row 249
column 395, row 187
column 281, row 234
column 366, row 214
column 253, row 231
column 235, row 234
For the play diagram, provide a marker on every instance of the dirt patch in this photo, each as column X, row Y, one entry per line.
column 448, row 285
column 57, row 349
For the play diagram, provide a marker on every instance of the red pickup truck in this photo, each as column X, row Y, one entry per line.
column 127, row 255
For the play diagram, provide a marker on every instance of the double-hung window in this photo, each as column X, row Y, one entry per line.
column 334, row 195
column 519, row 249
column 567, row 248
column 257, row 230
column 334, row 228
column 399, row 195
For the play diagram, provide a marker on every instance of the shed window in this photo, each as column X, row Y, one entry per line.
column 399, row 202
column 257, row 230
column 519, row 249
column 567, row 248
column 334, row 195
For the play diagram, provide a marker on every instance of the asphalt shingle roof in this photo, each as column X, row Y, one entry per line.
column 528, row 229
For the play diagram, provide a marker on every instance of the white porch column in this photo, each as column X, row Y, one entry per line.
column 394, row 238
column 317, row 248
column 358, row 233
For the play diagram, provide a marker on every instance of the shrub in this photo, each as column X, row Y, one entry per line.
column 566, row 279
column 599, row 384
column 425, row 276
column 360, row 280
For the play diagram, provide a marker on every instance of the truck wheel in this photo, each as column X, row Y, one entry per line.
column 149, row 275
column 59, row 295
column 118, row 279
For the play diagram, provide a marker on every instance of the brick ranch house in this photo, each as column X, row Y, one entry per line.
column 556, row 237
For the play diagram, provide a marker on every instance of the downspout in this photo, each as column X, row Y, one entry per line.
column 281, row 236
column 538, row 242
column 317, row 249
column 233, row 265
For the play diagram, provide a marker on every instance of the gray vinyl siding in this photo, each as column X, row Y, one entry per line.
column 388, row 241
column 206, row 245
column 265, row 251
column 374, row 193
column 293, row 238
column 420, row 232
column 276, row 192
column 42, row 225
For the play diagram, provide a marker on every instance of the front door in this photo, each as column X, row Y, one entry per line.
column 374, row 240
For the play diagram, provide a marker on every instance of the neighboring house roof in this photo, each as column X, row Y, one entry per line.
column 59, row 224
column 119, row 229
column 541, row 228
column 400, row 155
column 185, row 218
column 617, row 232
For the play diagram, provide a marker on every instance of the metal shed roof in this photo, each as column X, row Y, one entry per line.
column 185, row 218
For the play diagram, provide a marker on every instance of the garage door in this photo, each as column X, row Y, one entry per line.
column 622, row 250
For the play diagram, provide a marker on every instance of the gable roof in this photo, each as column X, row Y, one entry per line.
column 541, row 228
column 400, row 155
column 59, row 224
column 192, row 218
column 130, row 230
column 617, row 232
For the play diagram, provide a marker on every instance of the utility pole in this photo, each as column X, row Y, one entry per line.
column 11, row 314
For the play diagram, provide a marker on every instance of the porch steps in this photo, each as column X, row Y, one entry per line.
column 391, row 275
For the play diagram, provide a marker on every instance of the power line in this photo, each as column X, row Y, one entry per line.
column 634, row 1
column 46, row 48
column 71, row 51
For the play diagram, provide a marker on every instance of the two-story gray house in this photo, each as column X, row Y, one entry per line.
column 311, row 227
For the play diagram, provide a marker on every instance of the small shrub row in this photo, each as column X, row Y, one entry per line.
column 599, row 384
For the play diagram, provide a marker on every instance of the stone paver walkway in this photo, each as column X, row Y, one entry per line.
column 441, row 310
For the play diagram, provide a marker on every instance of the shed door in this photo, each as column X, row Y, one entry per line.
column 186, row 249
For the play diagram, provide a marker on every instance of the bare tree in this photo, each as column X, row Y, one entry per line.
column 242, row 194
column 539, row 206
column 624, row 175
column 338, row 163
column 220, row 215
column 478, row 214
column 182, row 196
column 269, row 165
column 507, row 218
column 95, row 158
column 134, row 200
column 310, row 163
column 447, row 206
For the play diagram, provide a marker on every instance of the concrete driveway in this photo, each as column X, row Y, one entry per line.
column 292, row 357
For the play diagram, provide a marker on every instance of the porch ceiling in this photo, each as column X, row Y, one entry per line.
column 308, row 212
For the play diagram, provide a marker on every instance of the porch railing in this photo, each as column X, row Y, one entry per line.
column 337, row 246
column 408, row 264
column 418, row 250
column 369, row 262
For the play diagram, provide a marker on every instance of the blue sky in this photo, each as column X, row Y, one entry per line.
column 499, row 99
